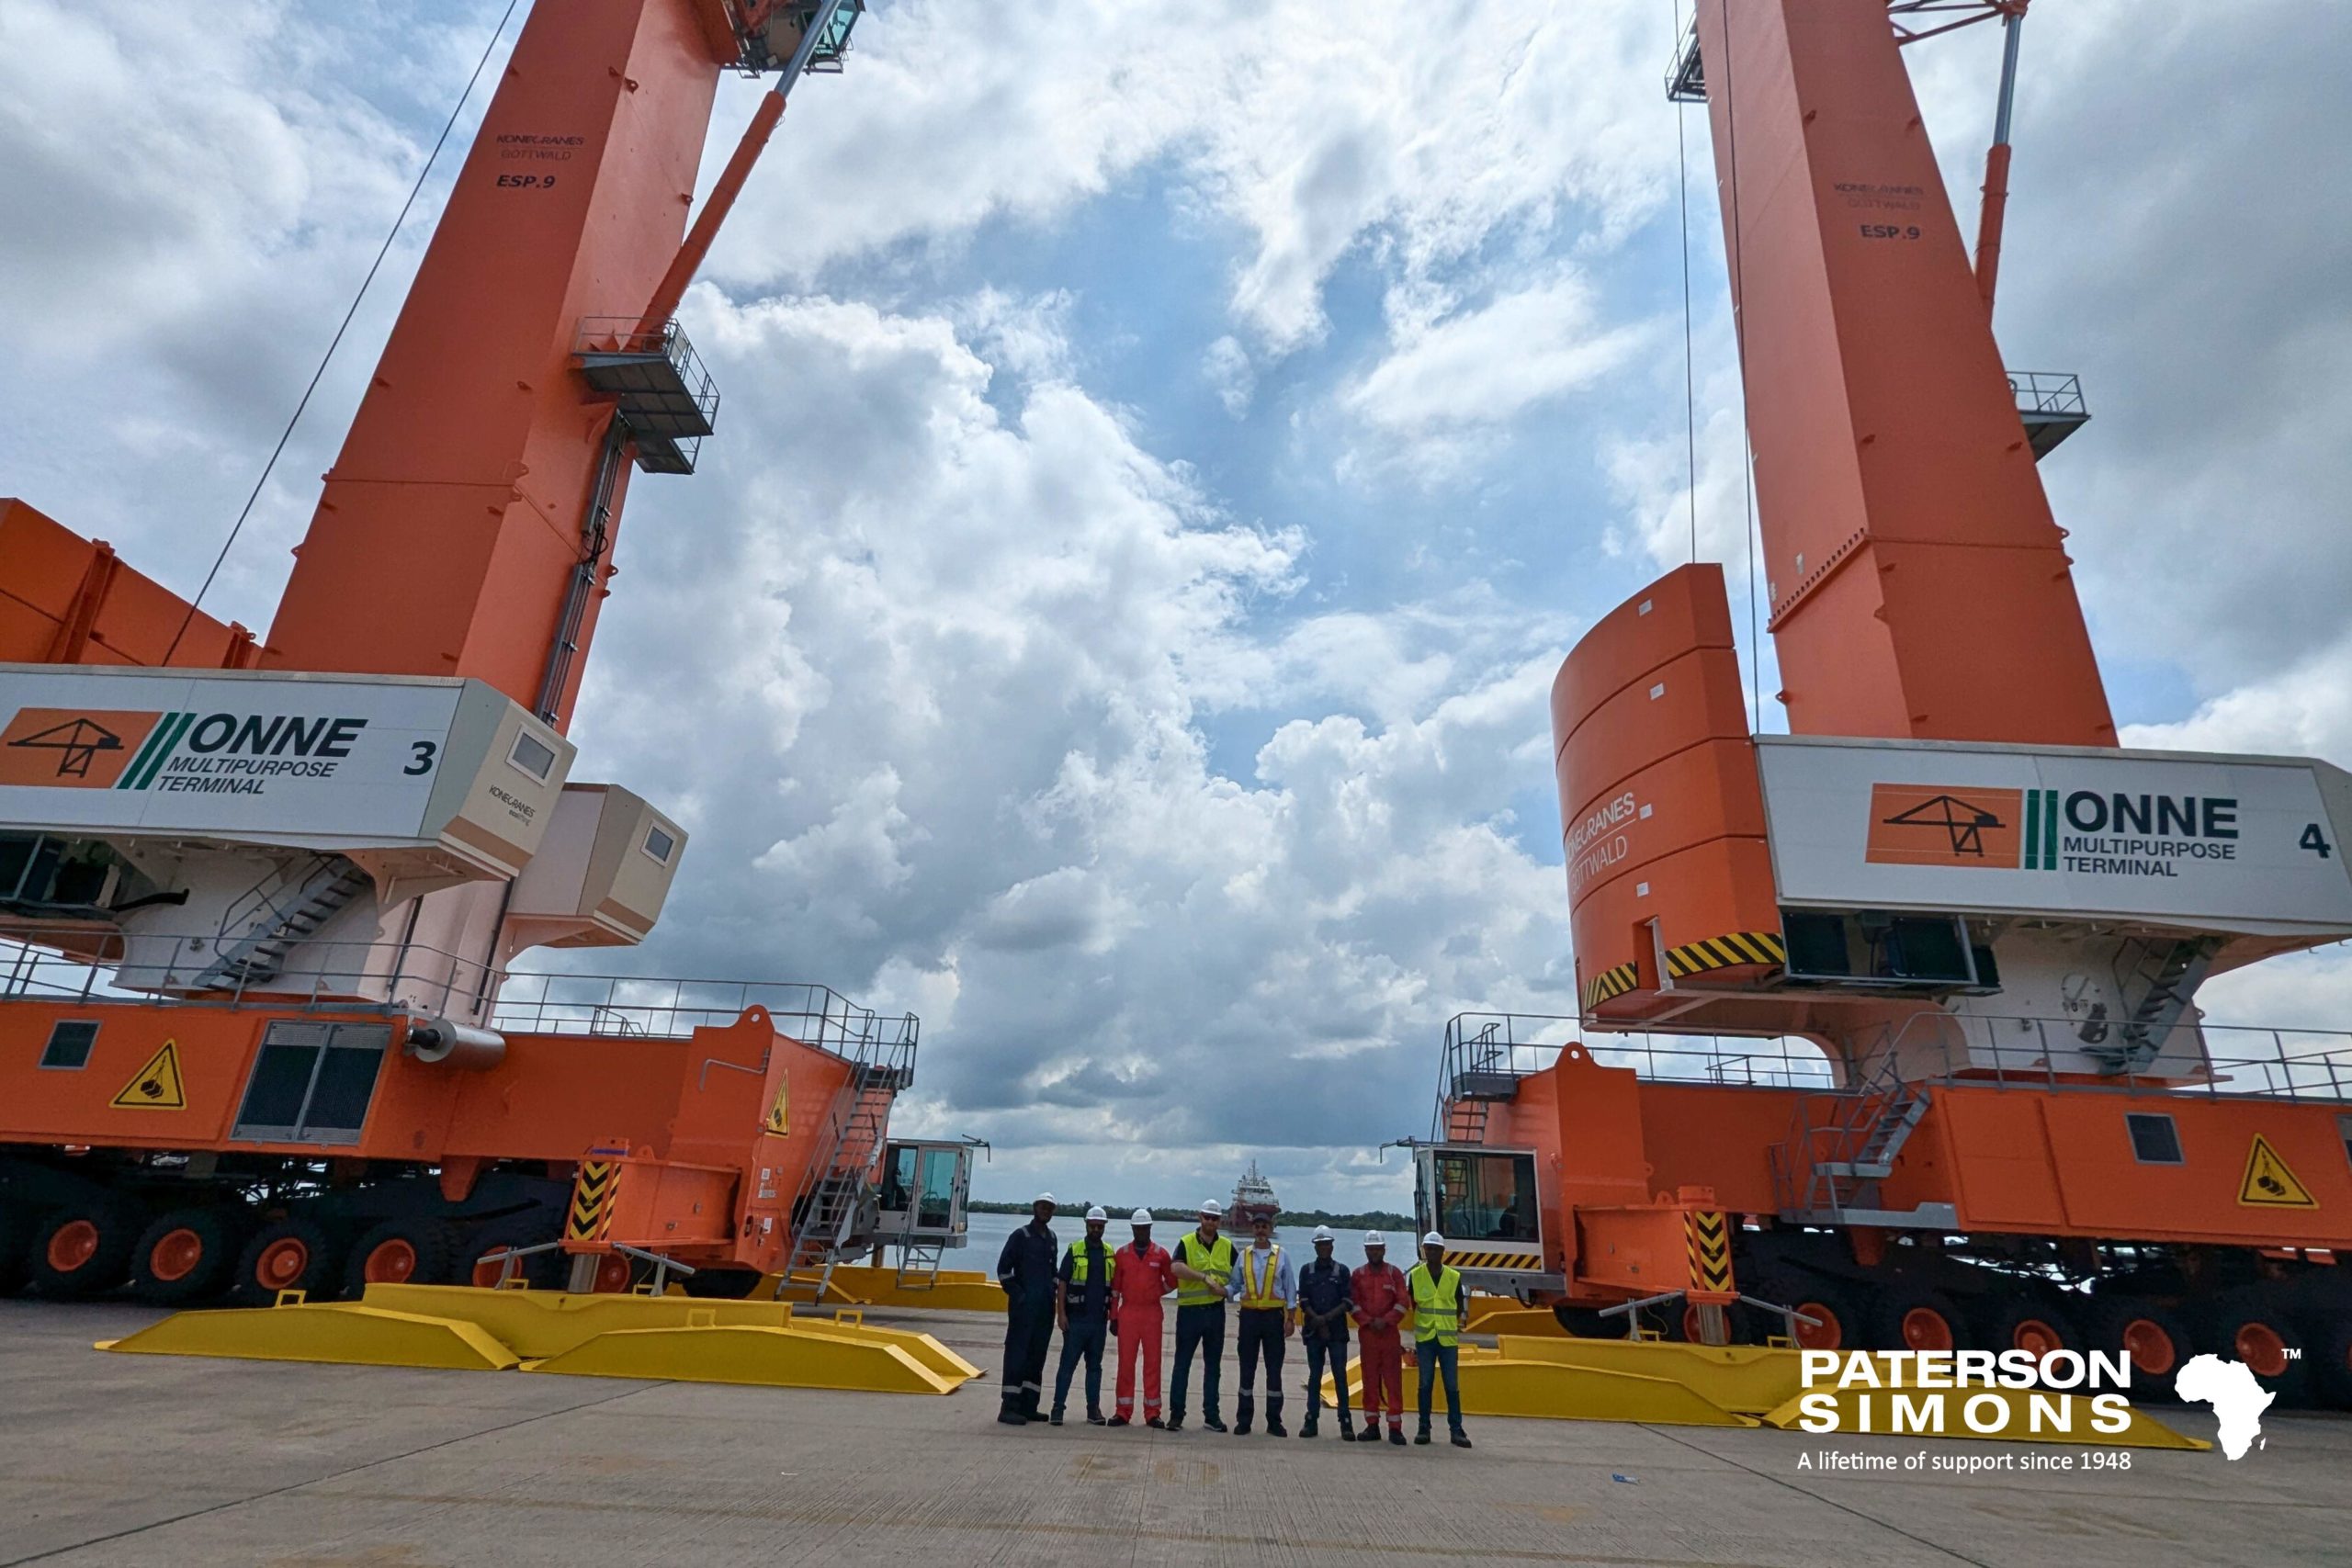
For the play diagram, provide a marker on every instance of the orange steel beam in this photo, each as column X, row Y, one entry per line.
column 1920, row 587
column 450, row 528
column 715, row 209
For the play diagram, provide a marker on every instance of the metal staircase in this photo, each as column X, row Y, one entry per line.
column 2155, row 981
column 1479, row 1071
column 1843, row 1157
column 919, row 1259
column 279, row 920
column 833, row 1212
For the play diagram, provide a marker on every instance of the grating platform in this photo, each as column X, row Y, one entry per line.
column 664, row 395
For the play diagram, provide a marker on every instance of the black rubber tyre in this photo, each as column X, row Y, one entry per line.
column 293, row 1254
column 2249, row 1325
column 540, row 1270
column 1842, row 1309
column 1586, row 1322
column 15, row 1236
column 399, row 1252
column 1908, row 1317
column 2327, row 1349
column 82, row 1249
column 2027, row 1320
column 2154, row 1339
column 721, row 1284
column 184, row 1256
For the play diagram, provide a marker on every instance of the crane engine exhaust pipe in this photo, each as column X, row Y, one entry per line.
column 436, row 1042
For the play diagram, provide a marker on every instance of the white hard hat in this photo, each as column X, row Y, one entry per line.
column 1323, row 1232
column 1096, row 1213
column 1213, row 1209
column 1373, row 1238
column 1141, row 1217
column 1433, row 1240
column 1041, row 1198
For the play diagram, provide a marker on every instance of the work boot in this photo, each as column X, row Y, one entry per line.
column 1346, row 1433
column 1120, row 1421
column 1010, row 1416
column 1460, row 1438
column 1175, row 1424
column 1274, row 1428
column 1241, row 1422
column 1421, row 1437
column 1306, row 1427
column 1157, row 1425
column 1055, row 1419
column 1396, row 1436
column 1211, row 1422
column 1094, row 1418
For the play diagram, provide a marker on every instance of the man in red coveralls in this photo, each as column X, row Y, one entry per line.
column 1377, row 1300
column 1140, row 1275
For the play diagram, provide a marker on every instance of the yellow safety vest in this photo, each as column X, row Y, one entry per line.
column 1437, row 1305
column 1082, row 1254
column 1261, row 1293
column 1217, row 1261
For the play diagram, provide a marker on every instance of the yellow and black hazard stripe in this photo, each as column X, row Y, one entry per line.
column 1692, row 958
column 1611, row 982
column 1706, row 1234
column 593, row 1193
column 1725, row 952
column 1493, row 1260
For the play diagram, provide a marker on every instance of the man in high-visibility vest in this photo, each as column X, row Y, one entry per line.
column 1082, row 1310
column 1204, row 1268
column 1267, row 1287
column 1440, row 1301
column 1143, row 1274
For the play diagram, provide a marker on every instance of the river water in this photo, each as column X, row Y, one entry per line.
column 988, row 1232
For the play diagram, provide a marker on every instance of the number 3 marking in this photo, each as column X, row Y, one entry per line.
column 421, row 757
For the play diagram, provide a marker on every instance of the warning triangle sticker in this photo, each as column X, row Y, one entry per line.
column 2269, row 1184
column 776, row 1122
column 158, row 1087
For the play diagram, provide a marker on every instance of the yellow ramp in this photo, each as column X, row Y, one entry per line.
column 1745, row 1378
column 955, row 1289
column 540, row 1324
column 1507, row 1316
column 799, row 1357
column 2024, row 1416
column 361, row 1335
column 1496, row 1385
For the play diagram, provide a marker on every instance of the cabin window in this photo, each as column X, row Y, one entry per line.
column 69, row 1044
column 661, row 845
column 2344, row 1131
column 2155, row 1139
column 532, row 756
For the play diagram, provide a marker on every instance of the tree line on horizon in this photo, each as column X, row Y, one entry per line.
column 1371, row 1219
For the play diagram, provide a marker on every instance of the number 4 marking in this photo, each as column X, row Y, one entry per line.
column 2314, row 841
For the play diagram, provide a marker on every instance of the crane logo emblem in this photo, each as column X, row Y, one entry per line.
column 1955, row 825
column 72, row 749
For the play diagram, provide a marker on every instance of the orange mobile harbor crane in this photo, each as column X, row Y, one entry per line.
column 257, row 902
column 1990, row 920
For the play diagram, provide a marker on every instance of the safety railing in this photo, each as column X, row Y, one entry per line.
column 2048, row 392
column 89, row 964
column 2234, row 1060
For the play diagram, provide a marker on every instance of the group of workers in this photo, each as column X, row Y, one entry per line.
column 1091, row 1293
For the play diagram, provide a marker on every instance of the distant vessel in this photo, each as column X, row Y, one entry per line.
column 1253, row 1198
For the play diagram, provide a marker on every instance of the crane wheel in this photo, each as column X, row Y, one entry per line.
column 184, row 1256
column 481, row 1257
column 2154, row 1339
column 1586, row 1322
column 2248, row 1324
column 2028, row 1322
column 616, row 1272
column 1908, row 1319
column 2327, row 1347
column 82, row 1248
column 16, row 1236
column 721, row 1284
column 292, row 1254
column 399, row 1252
column 1837, row 1308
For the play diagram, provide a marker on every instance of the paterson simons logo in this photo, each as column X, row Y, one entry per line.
column 218, row 753
column 2099, row 833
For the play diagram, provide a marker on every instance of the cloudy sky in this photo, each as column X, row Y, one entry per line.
column 1161, row 469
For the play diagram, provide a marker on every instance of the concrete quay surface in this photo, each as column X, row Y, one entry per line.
column 180, row 1463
